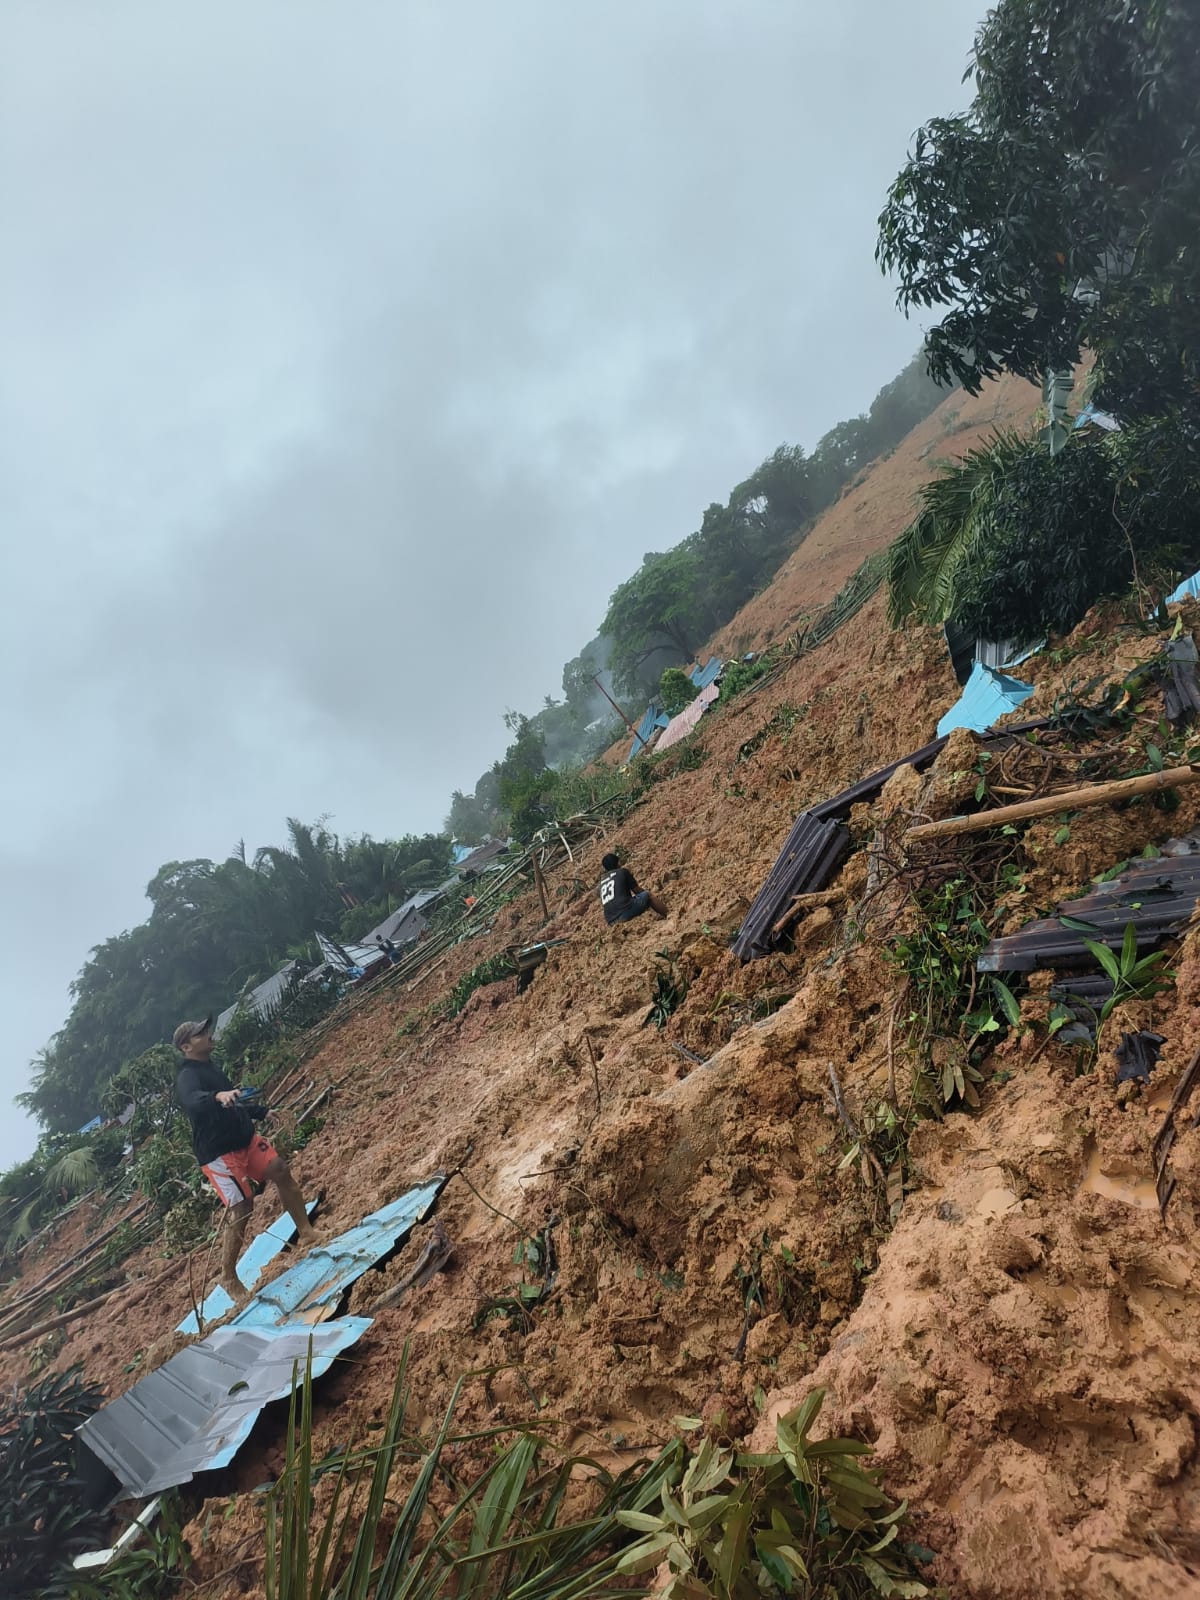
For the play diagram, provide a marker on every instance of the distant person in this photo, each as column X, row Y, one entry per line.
column 620, row 895
column 232, row 1155
column 388, row 948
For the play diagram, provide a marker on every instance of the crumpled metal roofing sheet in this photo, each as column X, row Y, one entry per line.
column 708, row 673
column 987, row 696
column 681, row 725
column 1157, row 894
column 814, row 850
column 195, row 1412
column 311, row 1291
column 261, row 1249
column 796, row 873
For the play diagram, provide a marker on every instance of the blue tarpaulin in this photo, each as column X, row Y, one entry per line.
column 987, row 696
column 1189, row 589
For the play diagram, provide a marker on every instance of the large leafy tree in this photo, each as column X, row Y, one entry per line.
column 1060, row 211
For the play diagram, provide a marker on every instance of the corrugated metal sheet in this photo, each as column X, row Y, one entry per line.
column 681, row 725
column 265, row 1000
column 337, row 954
column 406, row 922
column 312, row 1290
column 195, row 1412
column 254, row 1258
column 792, row 874
column 708, row 673
column 1158, row 895
column 652, row 718
column 988, row 695
column 814, row 850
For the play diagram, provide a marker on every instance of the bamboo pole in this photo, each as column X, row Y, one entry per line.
column 134, row 1291
column 540, row 881
column 1096, row 794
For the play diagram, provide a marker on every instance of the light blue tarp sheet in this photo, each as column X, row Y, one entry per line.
column 987, row 696
column 1189, row 589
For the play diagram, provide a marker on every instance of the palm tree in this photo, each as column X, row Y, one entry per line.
column 955, row 520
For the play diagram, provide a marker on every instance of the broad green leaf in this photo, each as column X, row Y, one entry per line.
column 1008, row 1002
column 646, row 1554
column 1103, row 956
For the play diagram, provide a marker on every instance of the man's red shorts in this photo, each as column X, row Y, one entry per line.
column 231, row 1175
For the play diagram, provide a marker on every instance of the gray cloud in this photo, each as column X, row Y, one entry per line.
column 352, row 356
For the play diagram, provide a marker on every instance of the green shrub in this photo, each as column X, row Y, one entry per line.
column 675, row 690
column 1012, row 542
column 42, row 1523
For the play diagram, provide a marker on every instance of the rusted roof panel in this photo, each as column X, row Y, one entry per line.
column 809, row 858
column 814, row 850
column 1157, row 894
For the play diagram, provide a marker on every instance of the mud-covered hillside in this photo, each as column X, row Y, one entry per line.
column 1008, row 1321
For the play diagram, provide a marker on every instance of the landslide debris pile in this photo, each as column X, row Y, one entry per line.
column 688, row 1187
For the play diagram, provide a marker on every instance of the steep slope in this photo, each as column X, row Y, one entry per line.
column 1018, row 1348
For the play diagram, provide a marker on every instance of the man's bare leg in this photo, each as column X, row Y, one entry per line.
column 292, row 1196
column 236, row 1219
column 657, row 905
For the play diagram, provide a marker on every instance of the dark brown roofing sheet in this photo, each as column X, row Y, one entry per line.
column 1158, row 895
column 809, row 858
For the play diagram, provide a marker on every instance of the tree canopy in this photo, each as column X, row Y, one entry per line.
column 213, row 930
column 1059, row 212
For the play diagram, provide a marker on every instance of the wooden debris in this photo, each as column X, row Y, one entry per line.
column 1096, row 794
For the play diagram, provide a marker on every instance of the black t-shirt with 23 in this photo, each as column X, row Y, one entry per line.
column 216, row 1129
column 617, row 889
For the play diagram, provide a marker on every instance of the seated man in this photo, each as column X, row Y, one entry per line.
column 620, row 896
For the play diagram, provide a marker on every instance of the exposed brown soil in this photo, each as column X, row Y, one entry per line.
column 1019, row 1348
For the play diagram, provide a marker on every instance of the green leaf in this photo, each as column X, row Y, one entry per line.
column 1077, row 925
column 1008, row 1002
column 1103, row 956
column 646, row 1554
column 1062, row 835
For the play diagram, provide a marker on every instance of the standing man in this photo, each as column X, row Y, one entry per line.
column 231, row 1154
column 620, row 896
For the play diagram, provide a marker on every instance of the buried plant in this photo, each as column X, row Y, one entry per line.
column 667, row 993
column 503, row 1532
column 804, row 1519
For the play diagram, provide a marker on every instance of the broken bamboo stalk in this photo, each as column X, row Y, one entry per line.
column 1096, row 794
column 75, row 1312
column 540, row 881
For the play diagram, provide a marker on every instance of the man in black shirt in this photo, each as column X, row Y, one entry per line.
column 232, row 1155
column 620, row 896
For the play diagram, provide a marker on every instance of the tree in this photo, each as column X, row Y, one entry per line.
column 659, row 611
column 675, row 690
column 1012, row 542
column 1059, row 213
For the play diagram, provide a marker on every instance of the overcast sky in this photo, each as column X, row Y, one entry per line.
column 353, row 354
